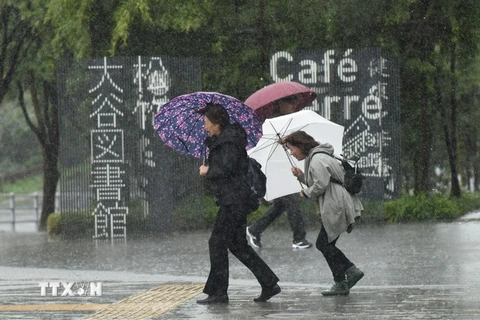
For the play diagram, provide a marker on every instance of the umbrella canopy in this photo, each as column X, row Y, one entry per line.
column 264, row 100
column 181, row 127
column 276, row 163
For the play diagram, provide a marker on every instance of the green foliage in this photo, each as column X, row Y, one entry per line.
column 54, row 224
column 70, row 20
column 28, row 184
column 308, row 209
column 200, row 213
column 179, row 16
column 468, row 202
column 235, row 39
column 123, row 17
column 187, row 216
column 78, row 223
column 373, row 211
column 20, row 148
column 184, row 15
column 254, row 216
column 435, row 207
column 136, row 219
column 194, row 213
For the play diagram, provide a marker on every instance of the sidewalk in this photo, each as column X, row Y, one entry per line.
column 424, row 271
column 295, row 302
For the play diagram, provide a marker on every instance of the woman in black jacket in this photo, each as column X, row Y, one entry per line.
column 226, row 170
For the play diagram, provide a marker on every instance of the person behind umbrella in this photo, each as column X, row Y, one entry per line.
column 226, row 170
column 335, row 203
column 289, row 203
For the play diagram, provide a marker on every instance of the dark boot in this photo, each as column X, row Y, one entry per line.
column 353, row 276
column 214, row 299
column 267, row 293
column 339, row 288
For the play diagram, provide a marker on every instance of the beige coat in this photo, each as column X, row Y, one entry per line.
column 336, row 204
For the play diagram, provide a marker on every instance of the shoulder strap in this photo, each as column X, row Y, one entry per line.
column 331, row 178
column 328, row 154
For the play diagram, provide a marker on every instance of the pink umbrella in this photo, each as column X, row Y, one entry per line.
column 265, row 100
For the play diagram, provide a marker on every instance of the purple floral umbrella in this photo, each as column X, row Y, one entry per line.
column 181, row 127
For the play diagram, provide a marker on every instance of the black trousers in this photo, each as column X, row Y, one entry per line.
column 290, row 204
column 229, row 234
column 336, row 260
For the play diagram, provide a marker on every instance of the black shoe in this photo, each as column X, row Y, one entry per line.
column 267, row 293
column 214, row 299
column 304, row 244
column 253, row 240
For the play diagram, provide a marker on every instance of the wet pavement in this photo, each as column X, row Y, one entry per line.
column 412, row 271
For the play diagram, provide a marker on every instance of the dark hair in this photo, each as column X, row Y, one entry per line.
column 301, row 140
column 217, row 114
column 290, row 99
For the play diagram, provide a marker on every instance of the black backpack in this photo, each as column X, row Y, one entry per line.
column 257, row 181
column 353, row 179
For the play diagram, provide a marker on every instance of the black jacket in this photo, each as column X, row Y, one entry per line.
column 228, row 165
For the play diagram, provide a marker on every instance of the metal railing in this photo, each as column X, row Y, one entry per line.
column 22, row 208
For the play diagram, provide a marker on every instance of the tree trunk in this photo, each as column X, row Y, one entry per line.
column 51, row 176
column 468, row 138
column 476, row 174
column 50, row 152
column 451, row 140
column 473, row 151
column 426, row 153
column 448, row 112
column 423, row 161
column 46, row 130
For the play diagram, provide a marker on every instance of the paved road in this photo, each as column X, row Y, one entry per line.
column 421, row 270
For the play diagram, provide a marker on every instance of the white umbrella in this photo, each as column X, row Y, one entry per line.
column 274, row 159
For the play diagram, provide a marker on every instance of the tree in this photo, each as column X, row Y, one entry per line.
column 17, row 36
column 457, row 45
column 468, row 133
column 29, row 61
column 44, row 99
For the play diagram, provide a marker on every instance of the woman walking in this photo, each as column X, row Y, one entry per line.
column 337, row 209
column 226, row 170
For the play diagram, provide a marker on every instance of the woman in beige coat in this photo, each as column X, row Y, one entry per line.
column 337, row 209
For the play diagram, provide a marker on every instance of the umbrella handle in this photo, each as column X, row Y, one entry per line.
column 288, row 156
column 204, row 154
column 291, row 162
